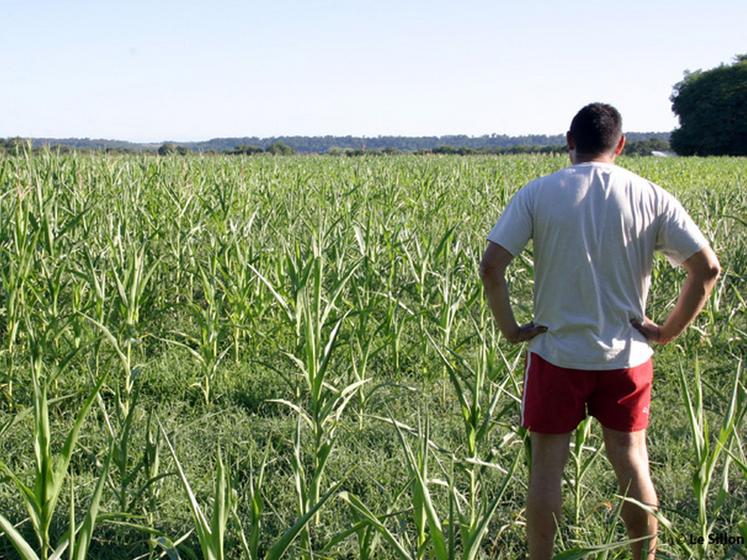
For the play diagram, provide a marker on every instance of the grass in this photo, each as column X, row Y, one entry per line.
column 310, row 333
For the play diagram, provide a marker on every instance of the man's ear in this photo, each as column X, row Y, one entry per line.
column 620, row 145
column 569, row 140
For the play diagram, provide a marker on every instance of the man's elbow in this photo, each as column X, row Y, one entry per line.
column 490, row 272
column 484, row 270
column 711, row 269
column 706, row 267
column 493, row 264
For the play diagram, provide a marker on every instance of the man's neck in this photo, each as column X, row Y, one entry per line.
column 586, row 158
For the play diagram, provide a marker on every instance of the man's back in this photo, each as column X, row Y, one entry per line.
column 595, row 228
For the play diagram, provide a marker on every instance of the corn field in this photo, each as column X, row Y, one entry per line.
column 220, row 357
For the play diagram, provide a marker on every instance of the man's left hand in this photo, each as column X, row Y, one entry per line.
column 525, row 332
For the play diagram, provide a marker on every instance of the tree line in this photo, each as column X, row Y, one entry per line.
column 387, row 145
column 15, row 146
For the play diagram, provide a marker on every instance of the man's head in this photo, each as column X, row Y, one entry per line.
column 596, row 133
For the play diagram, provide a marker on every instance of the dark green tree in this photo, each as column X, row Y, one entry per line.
column 244, row 149
column 279, row 148
column 16, row 146
column 712, row 109
column 167, row 149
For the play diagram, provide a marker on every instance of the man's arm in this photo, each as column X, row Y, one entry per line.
column 493, row 266
column 702, row 272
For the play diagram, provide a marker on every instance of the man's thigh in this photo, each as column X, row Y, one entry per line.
column 554, row 398
column 550, row 452
column 621, row 398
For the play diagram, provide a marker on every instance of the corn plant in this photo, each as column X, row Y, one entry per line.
column 363, row 342
column 180, row 210
column 478, row 403
column 137, row 470
column 309, row 314
column 369, row 527
column 17, row 249
column 581, row 463
column 77, row 540
column 378, row 523
column 131, row 273
column 706, row 453
column 40, row 498
column 435, row 537
column 244, row 304
column 206, row 347
column 211, row 534
column 250, row 543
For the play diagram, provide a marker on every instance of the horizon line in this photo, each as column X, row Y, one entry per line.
column 169, row 140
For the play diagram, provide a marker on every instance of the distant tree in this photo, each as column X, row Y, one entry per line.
column 16, row 146
column 182, row 151
column 279, row 148
column 712, row 109
column 59, row 149
column 445, row 150
column 247, row 150
column 117, row 150
column 167, row 149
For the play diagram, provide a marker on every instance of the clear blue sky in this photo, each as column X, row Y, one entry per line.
column 187, row 70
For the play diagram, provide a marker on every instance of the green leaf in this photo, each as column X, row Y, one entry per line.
column 358, row 506
column 221, row 507
column 61, row 465
column 424, row 496
column 83, row 539
column 18, row 542
column 201, row 524
column 287, row 538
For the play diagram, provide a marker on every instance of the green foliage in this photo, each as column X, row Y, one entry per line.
column 499, row 150
column 279, row 148
column 51, row 471
column 211, row 534
column 169, row 148
column 247, row 150
column 712, row 109
column 15, row 146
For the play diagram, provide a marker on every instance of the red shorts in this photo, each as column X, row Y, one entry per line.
column 556, row 399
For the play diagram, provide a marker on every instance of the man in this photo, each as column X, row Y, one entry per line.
column 595, row 228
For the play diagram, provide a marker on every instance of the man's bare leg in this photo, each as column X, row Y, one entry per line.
column 544, row 500
column 629, row 457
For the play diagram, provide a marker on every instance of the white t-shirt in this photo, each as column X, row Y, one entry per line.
column 595, row 227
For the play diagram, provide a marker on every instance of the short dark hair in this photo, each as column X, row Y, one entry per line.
column 596, row 129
